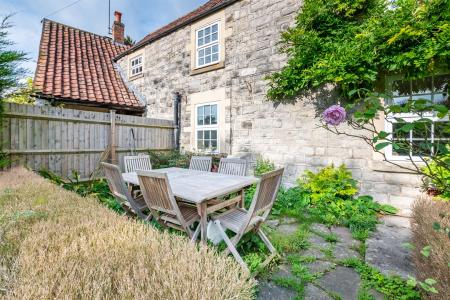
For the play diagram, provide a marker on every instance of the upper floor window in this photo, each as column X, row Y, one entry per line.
column 433, row 88
column 207, row 128
column 207, row 45
column 136, row 65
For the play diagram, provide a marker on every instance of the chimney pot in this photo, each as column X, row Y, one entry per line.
column 118, row 29
column 117, row 16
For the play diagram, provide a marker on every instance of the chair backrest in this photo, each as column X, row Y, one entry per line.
column 140, row 162
column 116, row 183
column 233, row 166
column 158, row 195
column 266, row 193
column 201, row 163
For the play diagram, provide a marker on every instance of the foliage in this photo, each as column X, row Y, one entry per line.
column 431, row 239
column 391, row 286
column 76, row 248
column 439, row 175
column 351, row 44
column 175, row 158
column 129, row 41
column 23, row 94
column 93, row 188
column 9, row 59
column 331, row 192
column 263, row 166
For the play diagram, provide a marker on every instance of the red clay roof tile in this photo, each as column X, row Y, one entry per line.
column 75, row 65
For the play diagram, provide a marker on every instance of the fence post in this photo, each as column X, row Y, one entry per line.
column 113, row 136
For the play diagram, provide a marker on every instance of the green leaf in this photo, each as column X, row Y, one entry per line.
column 383, row 145
column 436, row 226
column 411, row 281
column 426, row 251
column 430, row 281
column 407, row 127
column 408, row 246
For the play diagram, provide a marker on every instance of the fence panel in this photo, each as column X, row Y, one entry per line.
column 65, row 140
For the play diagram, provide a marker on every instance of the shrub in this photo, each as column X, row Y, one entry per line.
column 431, row 229
column 174, row 158
column 442, row 181
column 56, row 244
column 263, row 166
column 332, row 201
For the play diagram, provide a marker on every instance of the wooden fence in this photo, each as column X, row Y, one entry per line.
column 62, row 140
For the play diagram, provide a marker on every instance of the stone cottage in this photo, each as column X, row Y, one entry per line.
column 207, row 69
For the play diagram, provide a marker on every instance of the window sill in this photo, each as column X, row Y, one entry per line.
column 386, row 166
column 219, row 65
column 136, row 76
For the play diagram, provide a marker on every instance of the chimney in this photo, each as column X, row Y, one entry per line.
column 118, row 29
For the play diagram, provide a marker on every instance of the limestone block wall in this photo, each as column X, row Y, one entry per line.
column 288, row 134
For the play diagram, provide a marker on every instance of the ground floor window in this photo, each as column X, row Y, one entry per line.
column 433, row 88
column 207, row 137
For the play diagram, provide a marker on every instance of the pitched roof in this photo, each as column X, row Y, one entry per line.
column 204, row 10
column 77, row 66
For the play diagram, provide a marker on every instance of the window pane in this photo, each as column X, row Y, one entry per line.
column 207, row 39
column 422, row 130
column 207, row 30
column 200, row 144
column 215, row 48
column 400, row 100
column 201, row 53
column 201, row 42
column 214, row 37
column 401, row 139
column 207, row 134
column 201, row 61
column 208, row 59
column 200, row 33
column 200, row 134
column 208, row 51
column 442, row 130
column 207, row 115
column 214, row 145
column 422, row 97
column 215, row 28
column 213, row 134
column 422, row 86
column 401, row 88
column 215, row 57
column 200, row 115
column 213, row 114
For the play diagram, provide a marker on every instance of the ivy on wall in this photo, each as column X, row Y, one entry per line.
column 351, row 43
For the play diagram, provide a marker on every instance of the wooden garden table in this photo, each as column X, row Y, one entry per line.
column 202, row 188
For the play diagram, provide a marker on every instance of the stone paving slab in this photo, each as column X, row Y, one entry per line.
column 319, row 266
column 343, row 281
column 314, row 293
column 386, row 253
column 270, row 291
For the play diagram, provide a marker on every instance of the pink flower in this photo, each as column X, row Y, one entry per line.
column 334, row 115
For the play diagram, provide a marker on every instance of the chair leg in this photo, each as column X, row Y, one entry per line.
column 266, row 241
column 231, row 246
column 196, row 233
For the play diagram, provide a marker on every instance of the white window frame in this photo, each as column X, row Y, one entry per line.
column 408, row 117
column 207, row 127
column 210, row 44
column 140, row 64
column 390, row 120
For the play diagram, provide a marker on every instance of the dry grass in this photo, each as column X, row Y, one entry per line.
column 55, row 244
column 425, row 213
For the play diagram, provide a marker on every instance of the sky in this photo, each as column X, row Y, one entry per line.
column 139, row 16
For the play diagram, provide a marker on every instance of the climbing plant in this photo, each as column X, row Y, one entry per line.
column 352, row 43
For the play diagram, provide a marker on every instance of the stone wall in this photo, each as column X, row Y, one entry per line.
column 288, row 134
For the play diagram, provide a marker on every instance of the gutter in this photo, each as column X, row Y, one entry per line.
column 88, row 103
column 181, row 25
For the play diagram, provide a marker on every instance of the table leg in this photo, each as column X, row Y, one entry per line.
column 201, row 208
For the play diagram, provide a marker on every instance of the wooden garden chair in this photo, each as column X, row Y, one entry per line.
column 241, row 221
column 120, row 191
column 162, row 204
column 139, row 162
column 233, row 166
column 133, row 163
column 201, row 163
